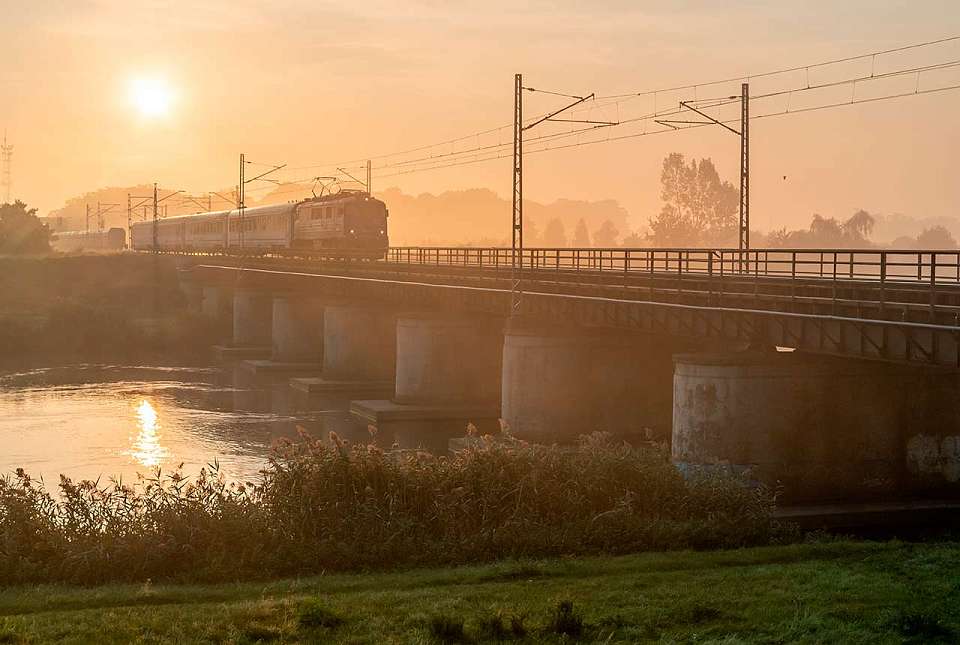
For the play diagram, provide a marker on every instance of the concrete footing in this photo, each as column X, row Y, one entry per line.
column 320, row 385
column 430, row 427
column 560, row 383
column 270, row 366
column 233, row 353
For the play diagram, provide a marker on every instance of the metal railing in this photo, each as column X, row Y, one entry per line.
column 917, row 267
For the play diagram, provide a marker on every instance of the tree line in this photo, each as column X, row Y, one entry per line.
column 21, row 231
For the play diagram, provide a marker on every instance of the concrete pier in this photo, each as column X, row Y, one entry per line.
column 360, row 343
column 442, row 360
column 193, row 294
column 297, row 336
column 359, row 352
column 821, row 429
column 252, row 317
column 217, row 304
column 252, row 322
column 297, row 329
column 563, row 382
column 447, row 376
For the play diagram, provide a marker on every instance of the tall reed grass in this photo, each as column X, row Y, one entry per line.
column 328, row 505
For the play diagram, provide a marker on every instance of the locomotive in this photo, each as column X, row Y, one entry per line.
column 113, row 239
column 349, row 223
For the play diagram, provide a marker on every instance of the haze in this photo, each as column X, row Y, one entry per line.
column 107, row 93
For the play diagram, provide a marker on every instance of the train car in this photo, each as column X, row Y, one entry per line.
column 350, row 223
column 113, row 239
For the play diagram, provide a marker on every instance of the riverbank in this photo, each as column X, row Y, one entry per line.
column 64, row 309
column 830, row 592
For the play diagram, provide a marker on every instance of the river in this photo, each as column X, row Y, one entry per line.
column 114, row 421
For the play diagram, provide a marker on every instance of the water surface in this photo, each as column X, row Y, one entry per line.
column 103, row 421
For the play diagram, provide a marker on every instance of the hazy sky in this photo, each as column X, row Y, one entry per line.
column 305, row 82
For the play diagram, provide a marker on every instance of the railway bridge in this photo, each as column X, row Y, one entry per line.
column 832, row 373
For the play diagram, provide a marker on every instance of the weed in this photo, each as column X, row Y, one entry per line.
column 447, row 629
column 566, row 621
column 260, row 634
column 313, row 615
column 517, row 627
column 921, row 627
column 493, row 627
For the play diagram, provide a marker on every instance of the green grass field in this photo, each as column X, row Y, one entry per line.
column 842, row 592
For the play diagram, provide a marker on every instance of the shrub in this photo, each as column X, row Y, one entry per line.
column 328, row 505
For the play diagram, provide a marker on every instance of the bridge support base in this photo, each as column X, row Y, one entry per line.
column 430, row 427
column 320, row 385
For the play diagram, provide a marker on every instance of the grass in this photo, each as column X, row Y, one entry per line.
column 815, row 593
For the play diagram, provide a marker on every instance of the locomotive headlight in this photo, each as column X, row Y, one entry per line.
column 352, row 231
column 381, row 231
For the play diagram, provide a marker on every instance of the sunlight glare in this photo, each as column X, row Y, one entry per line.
column 152, row 97
column 146, row 448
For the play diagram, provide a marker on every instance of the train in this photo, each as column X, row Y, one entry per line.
column 112, row 239
column 349, row 223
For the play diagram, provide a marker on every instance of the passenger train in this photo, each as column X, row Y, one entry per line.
column 348, row 223
column 113, row 239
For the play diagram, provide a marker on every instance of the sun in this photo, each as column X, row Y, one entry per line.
column 152, row 97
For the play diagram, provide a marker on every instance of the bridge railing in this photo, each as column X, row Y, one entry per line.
column 934, row 267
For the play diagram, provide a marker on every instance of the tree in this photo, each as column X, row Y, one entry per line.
column 554, row 235
column 531, row 232
column 698, row 207
column 606, row 236
column 21, row 231
column 859, row 226
column 634, row 240
column 827, row 232
column 581, row 238
column 935, row 238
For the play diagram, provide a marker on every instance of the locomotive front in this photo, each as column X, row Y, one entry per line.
column 352, row 224
column 365, row 225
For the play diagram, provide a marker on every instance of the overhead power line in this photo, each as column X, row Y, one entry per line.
column 387, row 160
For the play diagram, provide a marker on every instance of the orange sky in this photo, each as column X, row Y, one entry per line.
column 308, row 82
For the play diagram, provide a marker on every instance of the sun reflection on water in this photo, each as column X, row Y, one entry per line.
column 146, row 447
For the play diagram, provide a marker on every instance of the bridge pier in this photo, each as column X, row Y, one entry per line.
column 193, row 294
column 823, row 429
column 447, row 376
column 296, row 334
column 563, row 382
column 217, row 304
column 252, row 323
column 932, row 438
column 359, row 352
